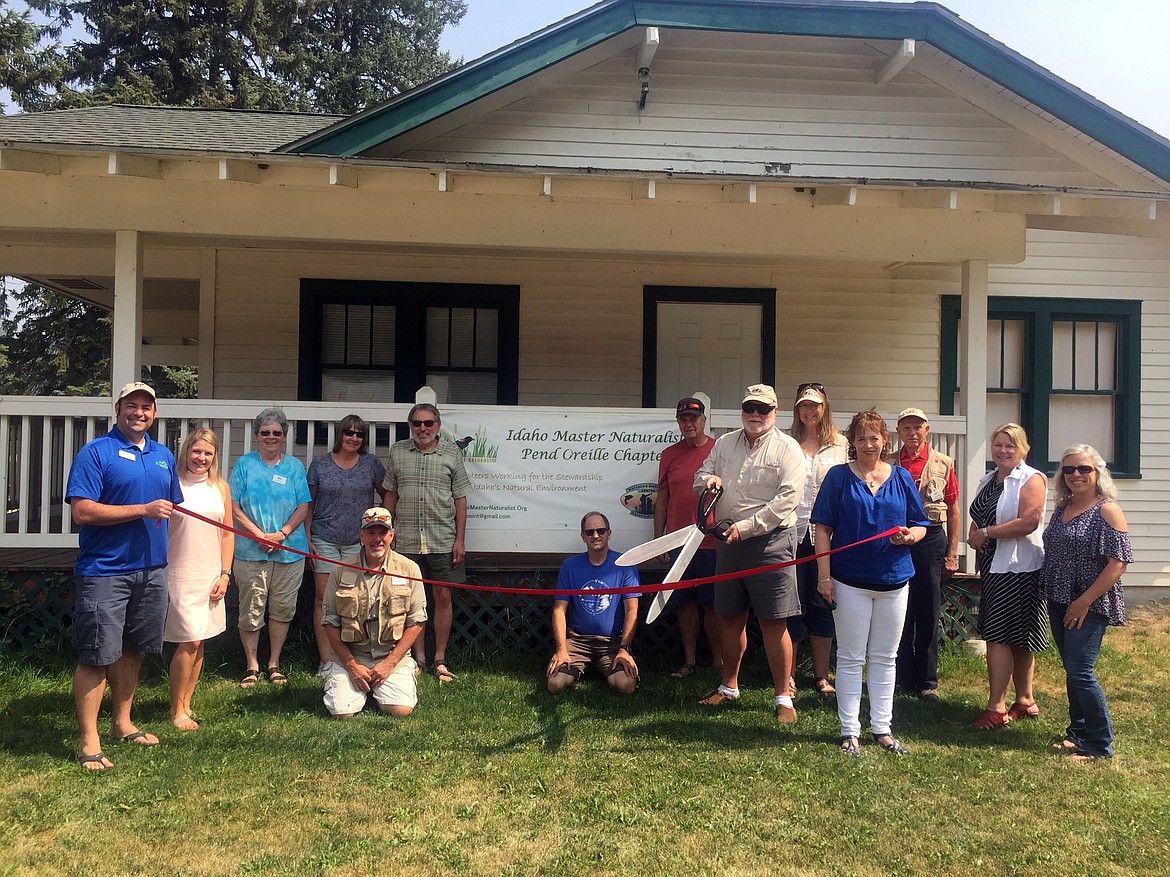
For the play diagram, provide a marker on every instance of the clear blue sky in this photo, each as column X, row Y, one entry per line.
column 1116, row 50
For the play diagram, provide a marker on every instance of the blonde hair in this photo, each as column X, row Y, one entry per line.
column 206, row 435
column 1016, row 433
column 826, row 430
column 1105, row 485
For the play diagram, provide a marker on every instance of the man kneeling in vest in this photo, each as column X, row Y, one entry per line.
column 372, row 620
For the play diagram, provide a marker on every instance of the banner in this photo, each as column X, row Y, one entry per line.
column 536, row 472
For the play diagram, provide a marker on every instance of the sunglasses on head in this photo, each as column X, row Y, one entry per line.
column 1081, row 470
column 600, row 531
column 427, row 423
column 811, row 385
column 353, row 432
column 757, row 408
column 276, row 432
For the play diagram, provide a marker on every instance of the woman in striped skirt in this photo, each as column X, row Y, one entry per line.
column 1006, row 524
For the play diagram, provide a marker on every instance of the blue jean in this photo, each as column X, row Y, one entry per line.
column 1089, row 725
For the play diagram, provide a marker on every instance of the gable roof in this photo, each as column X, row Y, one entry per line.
column 925, row 21
column 121, row 126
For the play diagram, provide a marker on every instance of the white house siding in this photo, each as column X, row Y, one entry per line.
column 760, row 105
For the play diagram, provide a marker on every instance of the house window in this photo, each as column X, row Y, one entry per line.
column 1067, row 370
column 380, row 341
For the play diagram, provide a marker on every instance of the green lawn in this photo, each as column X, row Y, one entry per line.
column 493, row 776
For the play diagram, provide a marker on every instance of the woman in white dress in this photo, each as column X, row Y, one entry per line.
column 199, row 568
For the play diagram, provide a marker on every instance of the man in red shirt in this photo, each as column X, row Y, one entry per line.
column 935, row 557
column 674, row 508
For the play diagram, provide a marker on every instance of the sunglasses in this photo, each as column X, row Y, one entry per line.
column 1081, row 470
column 353, row 432
column 757, row 408
column 600, row 531
column 427, row 423
column 811, row 385
column 267, row 432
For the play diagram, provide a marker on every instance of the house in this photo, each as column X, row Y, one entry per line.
column 644, row 199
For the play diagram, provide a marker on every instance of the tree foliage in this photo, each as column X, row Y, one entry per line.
column 306, row 55
column 55, row 345
column 30, row 68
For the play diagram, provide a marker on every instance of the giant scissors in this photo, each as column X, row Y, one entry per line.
column 686, row 539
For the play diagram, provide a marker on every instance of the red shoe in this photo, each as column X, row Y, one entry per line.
column 992, row 719
column 1023, row 711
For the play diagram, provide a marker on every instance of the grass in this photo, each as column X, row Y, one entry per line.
column 493, row 776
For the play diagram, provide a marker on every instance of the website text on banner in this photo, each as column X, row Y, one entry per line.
column 535, row 473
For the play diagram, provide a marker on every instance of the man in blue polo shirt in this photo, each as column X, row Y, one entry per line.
column 122, row 488
column 592, row 628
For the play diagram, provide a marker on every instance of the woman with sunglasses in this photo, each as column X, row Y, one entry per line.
column 1006, row 515
column 824, row 447
column 342, row 484
column 270, row 501
column 1086, row 551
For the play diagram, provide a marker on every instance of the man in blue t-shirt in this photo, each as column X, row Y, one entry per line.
column 591, row 628
column 122, row 488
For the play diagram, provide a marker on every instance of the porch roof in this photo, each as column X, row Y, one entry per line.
column 924, row 21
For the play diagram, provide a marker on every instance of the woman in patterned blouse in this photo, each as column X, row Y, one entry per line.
column 1086, row 551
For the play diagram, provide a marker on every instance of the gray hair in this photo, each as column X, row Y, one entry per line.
column 425, row 406
column 1105, row 485
column 267, row 416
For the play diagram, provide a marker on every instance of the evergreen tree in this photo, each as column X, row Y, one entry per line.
column 30, row 69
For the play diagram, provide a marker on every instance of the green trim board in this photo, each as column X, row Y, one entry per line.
column 928, row 22
column 1038, row 315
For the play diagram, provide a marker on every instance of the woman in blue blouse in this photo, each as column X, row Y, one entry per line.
column 866, row 586
column 1086, row 551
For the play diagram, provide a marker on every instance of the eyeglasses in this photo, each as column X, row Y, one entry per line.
column 600, row 531
column 267, row 432
column 811, row 385
column 757, row 408
column 353, row 432
column 427, row 423
column 1080, row 470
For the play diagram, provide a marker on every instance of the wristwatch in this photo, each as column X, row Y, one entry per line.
column 628, row 649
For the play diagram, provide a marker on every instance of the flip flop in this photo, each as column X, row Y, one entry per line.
column 139, row 737
column 98, row 758
column 684, row 671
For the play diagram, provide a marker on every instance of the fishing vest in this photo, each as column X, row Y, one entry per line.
column 933, row 479
column 384, row 621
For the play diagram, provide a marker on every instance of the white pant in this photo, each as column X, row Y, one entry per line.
column 869, row 625
column 398, row 689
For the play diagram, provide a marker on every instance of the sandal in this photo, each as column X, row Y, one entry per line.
column 1020, row 710
column 275, row 676
column 851, row 746
column 991, row 719
column 718, row 698
column 684, row 671
column 1066, row 746
column 824, row 687
column 98, row 758
column 442, row 672
column 890, row 743
column 249, row 680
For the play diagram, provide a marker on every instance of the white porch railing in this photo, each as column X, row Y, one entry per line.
column 39, row 437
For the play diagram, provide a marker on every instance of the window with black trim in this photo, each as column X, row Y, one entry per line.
column 365, row 341
column 1067, row 370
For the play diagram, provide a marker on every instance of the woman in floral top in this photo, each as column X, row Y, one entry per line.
column 1086, row 551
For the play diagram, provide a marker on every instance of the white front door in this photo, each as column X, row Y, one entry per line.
column 709, row 347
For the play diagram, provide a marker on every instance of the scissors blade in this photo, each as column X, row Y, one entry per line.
column 655, row 547
column 675, row 573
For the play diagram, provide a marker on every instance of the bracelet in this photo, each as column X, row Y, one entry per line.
column 282, row 533
column 983, row 530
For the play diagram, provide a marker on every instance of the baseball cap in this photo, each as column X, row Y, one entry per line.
column 690, row 405
column 810, row 395
column 760, row 393
column 135, row 387
column 377, row 517
column 913, row 412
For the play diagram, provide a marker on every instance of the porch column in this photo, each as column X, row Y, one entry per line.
column 126, row 356
column 973, row 384
column 207, row 267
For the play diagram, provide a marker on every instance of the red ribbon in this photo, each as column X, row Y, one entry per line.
column 552, row 592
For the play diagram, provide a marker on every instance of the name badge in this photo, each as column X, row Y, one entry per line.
column 279, row 479
column 936, row 495
column 127, row 455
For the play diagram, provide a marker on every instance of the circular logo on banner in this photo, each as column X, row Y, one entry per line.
column 639, row 499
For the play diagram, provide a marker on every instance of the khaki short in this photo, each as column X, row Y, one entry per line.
column 399, row 689
column 265, row 585
column 600, row 652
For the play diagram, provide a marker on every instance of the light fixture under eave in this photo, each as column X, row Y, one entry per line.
column 645, row 56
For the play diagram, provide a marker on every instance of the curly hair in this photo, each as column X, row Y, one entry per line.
column 862, row 420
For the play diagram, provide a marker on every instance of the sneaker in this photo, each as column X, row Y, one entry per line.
column 785, row 714
column 930, row 695
column 323, row 670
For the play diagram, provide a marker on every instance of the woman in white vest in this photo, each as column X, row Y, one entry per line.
column 1006, row 522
